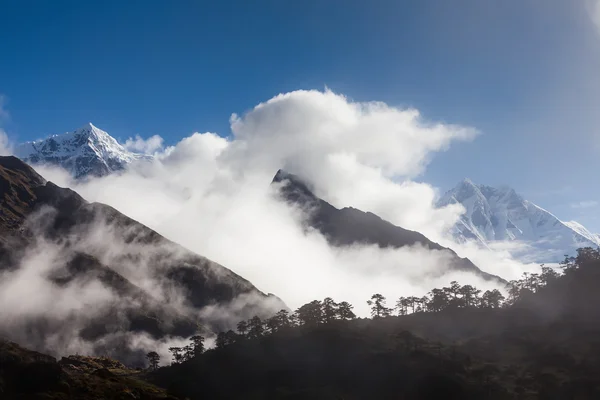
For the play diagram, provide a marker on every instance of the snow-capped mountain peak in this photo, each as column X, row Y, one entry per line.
column 87, row 151
column 501, row 214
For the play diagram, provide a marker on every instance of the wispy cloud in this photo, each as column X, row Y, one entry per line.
column 146, row 146
column 584, row 204
column 594, row 11
column 5, row 144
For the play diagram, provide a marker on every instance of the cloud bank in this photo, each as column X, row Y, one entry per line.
column 213, row 196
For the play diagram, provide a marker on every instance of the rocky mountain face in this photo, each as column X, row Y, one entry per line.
column 346, row 226
column 140, row 282
column 500, row 214
column 88, row 151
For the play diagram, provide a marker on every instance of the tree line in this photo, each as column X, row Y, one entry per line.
column 439, row 299
column 327, row 310
column 179, row 354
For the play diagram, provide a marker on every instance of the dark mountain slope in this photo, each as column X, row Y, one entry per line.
column 157, row 286
column 350, row 225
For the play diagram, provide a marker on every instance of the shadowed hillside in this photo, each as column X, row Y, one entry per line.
column 541, row 342
column 145, row 283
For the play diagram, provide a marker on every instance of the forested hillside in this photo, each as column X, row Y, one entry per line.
column 542, row 341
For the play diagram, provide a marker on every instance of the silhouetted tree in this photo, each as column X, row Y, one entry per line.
column 344, row 311
column 283, row 316
column 187, row 352
column 278, row 321
column 517, row 290
column 492, row 299
column 310, row 313
column 470, row 295
column 413, row 303
column 221, row 340
column 378, row 308
column 329, row 309
column 242, row 328
column 255, row 327
column 548, row 275
column 198, row 344
column 231, row 336
column 452, row 293
column 402, row 306
column 177, row 353
column 153, row 359
column 226, row 338
column 438, row 300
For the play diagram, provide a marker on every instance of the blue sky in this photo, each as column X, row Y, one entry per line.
column 523, row 72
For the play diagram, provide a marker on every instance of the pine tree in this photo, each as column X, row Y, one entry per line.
column 310, row 313
column 153, row 359
column 378, row 308
column 177, row 353
column 255, row 328
column 344, row 311
column 329, row 309
column 198, row 344
column 242, row 328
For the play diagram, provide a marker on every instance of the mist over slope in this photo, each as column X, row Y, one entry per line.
column 82, row 277
column 349, row 226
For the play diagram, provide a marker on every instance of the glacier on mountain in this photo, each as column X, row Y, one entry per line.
column 496, row 215
column 87, row 151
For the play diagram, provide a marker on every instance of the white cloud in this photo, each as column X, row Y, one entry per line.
column 145, row 146
column 594, row 11
column 6, row 147
column 214, row 197
column 584, row 204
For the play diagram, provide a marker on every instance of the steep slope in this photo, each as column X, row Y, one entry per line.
column 154, row 286
column 500, row 214
column 349, row 225
column 88, row 151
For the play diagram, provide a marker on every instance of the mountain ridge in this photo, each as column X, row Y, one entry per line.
column 36, row 212
column 347, row 226
column 501, row 214
column 87, row 151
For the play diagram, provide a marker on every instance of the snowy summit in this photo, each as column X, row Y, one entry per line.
column 88, row 151
column 500, row 214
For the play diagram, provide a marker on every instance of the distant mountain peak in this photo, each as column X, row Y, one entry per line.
column 466, row 182
column 501, row 214
column 294, row 189
column 87, row 151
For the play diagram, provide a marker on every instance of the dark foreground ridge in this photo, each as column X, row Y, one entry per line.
column 348, row 225
column 542, row 343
